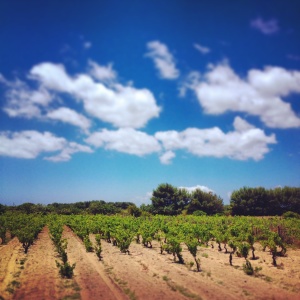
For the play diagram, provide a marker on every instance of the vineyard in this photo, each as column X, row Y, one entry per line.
column 148, row 257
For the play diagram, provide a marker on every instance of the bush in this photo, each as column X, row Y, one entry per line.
column 65, row 269
column 199, row 213
column 248, row 269
column 88, row 244
column 291, row 214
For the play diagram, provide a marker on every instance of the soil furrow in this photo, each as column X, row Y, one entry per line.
column 40, row 278
column 89, row 272
column 9, row 255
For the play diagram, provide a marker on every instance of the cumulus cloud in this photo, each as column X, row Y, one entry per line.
column 22, row 101
column 202, row 49
column 70, row 116
column 102, row 73
column 197, row 187
column 122, row 106
column 260, row 94
column 245, row 142
column 163, row 60
column 265, row 27
column 126, row 140
column 29, row 144
column 166, row 158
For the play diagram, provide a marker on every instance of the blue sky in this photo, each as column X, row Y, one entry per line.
column 108, row 99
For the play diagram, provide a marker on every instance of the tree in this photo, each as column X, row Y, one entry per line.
column 165, row 200
column 207, row 202
column 2, row 209
column 261, row 202
column 134, row 211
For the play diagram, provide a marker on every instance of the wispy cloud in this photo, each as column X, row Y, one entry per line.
column 102, row 73
column 202, row 49
column 293, row 57
column 70, row 116
column 87, row 45
column 163, row 60
column 265, row 27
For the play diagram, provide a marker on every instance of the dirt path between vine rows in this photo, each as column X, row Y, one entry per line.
column 89, row 273
column 145, row 274
column 9, row 269
column 40, row 278
column 150, row 275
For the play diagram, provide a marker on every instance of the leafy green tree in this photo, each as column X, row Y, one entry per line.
column 2, row 209
column 134, row 211
column 165, row 200
column 261, row 202
column 207, row 202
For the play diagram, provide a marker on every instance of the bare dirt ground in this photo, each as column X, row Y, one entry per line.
column 148, row 274
column 144, row 274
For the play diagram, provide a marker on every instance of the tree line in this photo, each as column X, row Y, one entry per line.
column 246, row 201
column 87, row 207
column 169, row 200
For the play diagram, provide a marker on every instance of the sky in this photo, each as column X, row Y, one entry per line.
column 105, row 100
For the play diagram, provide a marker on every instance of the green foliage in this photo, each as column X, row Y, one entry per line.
column 88, row 244
column 175, row 248
column 169, row 200
column 3, row 229
column 244, row 249
column 65, row 269
column 262, row 202
column 164, row 200
column 3, row 209
column 134, row 211
column 291, row 214
column 247, row 267
column 192, row 244
column 207, row 202
column 199, row 213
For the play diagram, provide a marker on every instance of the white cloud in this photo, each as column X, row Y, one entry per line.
column 70, row 116
column 167, row 157
column 221, row 90
column 21, row 101
column 126, row 140
column 102, row 73
column 29, row 144
column 163, row 60
column 66, row 153
column 241, row 125
column 245, row 142
column 202, row 49
column 197, row 187
column 266, row 27
column 122, row 106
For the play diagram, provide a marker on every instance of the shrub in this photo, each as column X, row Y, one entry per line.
column 198, row 213
column 65, row 269
column 88, row 244
column 248, row 269
column 291, row 214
